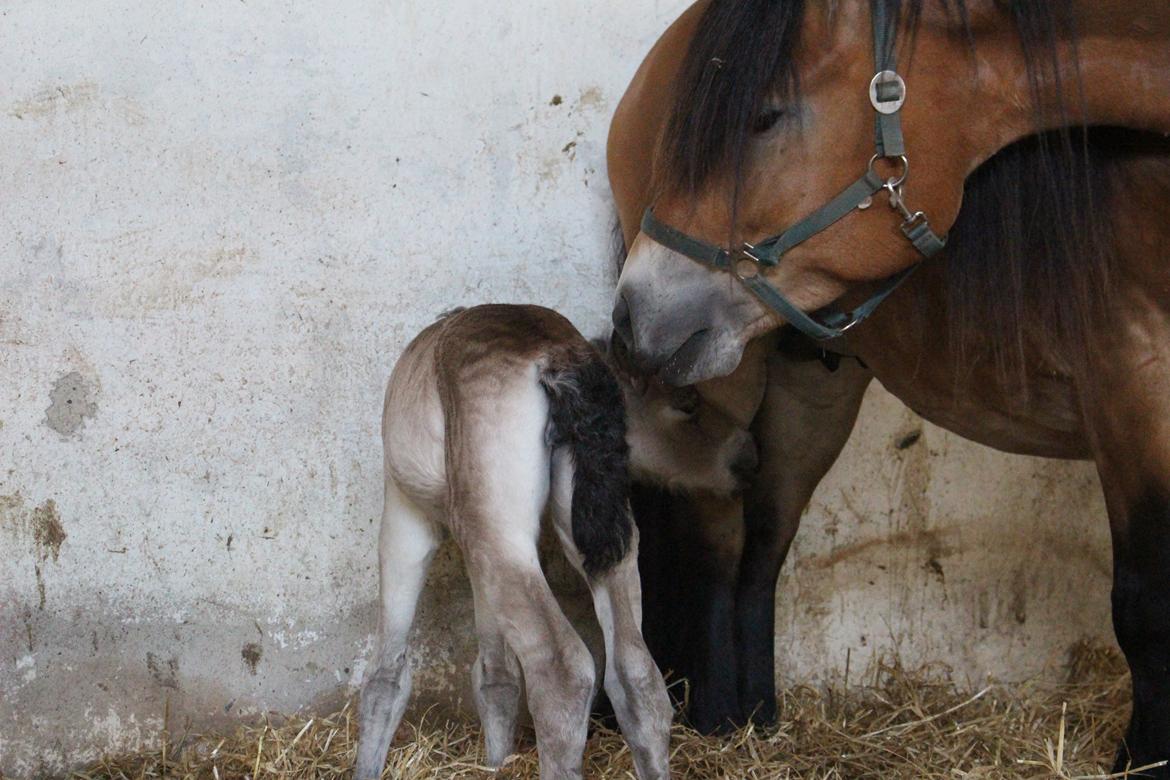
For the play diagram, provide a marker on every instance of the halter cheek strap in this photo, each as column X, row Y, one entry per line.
column 887, row 93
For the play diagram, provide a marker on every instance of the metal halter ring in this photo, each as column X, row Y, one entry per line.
column 893, row 181
column 744, row 264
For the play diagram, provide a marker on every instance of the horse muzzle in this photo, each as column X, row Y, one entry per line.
column 679, row 350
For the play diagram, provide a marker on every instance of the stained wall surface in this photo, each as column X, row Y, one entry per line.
column 224, row 220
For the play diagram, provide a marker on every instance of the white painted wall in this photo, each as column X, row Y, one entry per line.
column 222, row 222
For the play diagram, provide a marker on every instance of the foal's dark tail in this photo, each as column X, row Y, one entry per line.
column 586, row 415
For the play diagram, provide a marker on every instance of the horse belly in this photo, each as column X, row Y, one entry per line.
column 1046, row 422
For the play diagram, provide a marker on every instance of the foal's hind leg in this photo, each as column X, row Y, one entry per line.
column 632, row 680
column 406, row 546
column 500, row 475
column 558, row 669
column 496, row 680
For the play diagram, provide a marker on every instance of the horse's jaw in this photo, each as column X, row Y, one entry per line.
column 706, row 354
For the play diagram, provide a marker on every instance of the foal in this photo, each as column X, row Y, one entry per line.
column 492, row 415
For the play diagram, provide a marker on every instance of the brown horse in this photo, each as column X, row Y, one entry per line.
column 1030, row 132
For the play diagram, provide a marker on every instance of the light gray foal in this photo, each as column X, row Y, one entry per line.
column 493, row 415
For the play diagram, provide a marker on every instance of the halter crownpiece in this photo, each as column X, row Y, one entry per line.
column 887, row 93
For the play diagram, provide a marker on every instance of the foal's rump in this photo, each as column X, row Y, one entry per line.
column 516, row 383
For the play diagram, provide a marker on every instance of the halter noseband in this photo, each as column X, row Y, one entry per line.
column 887, row 92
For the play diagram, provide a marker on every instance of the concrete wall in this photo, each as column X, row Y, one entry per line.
column 222, row 222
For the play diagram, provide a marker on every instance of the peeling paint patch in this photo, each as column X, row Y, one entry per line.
column 251, row 654
column 48, row 535
column 592, row 97
column 27, row 666
column 165, row 673
column 71, row 404
column 62, row 97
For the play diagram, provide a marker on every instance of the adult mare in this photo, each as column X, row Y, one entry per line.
column 1034, row 134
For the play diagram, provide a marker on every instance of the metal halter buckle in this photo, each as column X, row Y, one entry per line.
column 913, row 218
column 887, row 92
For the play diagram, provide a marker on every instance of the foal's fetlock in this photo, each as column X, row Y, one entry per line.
column 383, row 700
column 497, row 698
column 646, row 725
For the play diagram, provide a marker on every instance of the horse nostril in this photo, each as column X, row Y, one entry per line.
column 622, row 322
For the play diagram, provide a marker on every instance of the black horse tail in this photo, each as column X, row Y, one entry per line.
column 587, row 416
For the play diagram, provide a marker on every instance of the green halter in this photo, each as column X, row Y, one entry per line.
column 887, row 92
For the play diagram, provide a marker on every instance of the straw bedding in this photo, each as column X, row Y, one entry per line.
column 896, row 723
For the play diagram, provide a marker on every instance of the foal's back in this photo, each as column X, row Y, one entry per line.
column 476, row 369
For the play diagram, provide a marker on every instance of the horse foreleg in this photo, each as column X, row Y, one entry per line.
column 651, row 506
column 807, row 415
column 688, row 558
column 1139, row 514
column 1141, row 619
column 707, row 540
column 1130, row 424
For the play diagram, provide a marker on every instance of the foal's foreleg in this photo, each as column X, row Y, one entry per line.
column 406, row 546
column 632, row 680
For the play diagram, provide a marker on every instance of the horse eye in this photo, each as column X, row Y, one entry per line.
column 685, row 400
column 766, row 120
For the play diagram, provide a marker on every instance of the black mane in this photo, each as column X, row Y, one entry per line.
column 1029, row 254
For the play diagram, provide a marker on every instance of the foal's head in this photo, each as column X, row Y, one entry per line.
column 676, row 439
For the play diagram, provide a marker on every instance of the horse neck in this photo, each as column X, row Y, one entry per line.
column 1118, row 77
column 1124, row 63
